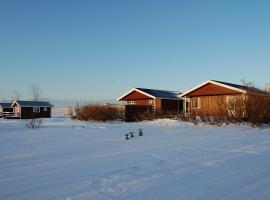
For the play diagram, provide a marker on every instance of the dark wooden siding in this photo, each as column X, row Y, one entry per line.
column 211, row 90
column 172, row 106
column 145, row 111
column 7, row 109
column 27, row 113
column 143, row 107
column 138, row 113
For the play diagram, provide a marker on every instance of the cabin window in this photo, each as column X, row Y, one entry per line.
column 45, row 109
column 131, row 103
column 195, row 103
column 151, row 102
column 36, row 109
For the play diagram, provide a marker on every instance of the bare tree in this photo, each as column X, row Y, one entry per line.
column 249, row 84
column 267, row 87
column 35, row 92
column 17, row 95
column 257, row 104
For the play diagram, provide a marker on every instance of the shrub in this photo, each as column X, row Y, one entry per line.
column 257, row 109
column 98, row 112
column 33, row 123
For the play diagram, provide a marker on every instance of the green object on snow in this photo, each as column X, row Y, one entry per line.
column 140, row 132
column 131, row 134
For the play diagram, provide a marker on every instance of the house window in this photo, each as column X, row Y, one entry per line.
column 131, row 103
column 195, row 103
column 36, row 109
column 45, row 109
column 151, row 102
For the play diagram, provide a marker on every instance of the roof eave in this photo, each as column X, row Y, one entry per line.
column 14, row 103
column 22, row 106
column 135, row 89
column 36, row 106
column 213, row 82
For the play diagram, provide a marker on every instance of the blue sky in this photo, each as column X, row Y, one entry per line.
column 96, row 50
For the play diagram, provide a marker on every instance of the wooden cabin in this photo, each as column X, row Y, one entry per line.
column 213, row 98
column 141, row 101
column 31, row 109
column 5, row 109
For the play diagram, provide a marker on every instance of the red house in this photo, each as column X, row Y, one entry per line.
column 141, row 101
column 31, row 109
column 210, row 97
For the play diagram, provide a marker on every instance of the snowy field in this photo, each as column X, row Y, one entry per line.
column 69, row 160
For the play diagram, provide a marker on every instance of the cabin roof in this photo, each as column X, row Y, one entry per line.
column 235, row 87
column 251, row 89
column 160, row 93
column 232, row 86
column 153, row 93
column 5, row 105
column 242, row 87
column 33, row 103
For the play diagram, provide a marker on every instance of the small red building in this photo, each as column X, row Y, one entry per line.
column 141, row 101
column 31, row 109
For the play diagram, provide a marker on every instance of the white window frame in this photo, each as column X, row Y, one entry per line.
column 45, row 109
column 36, row 109
column 131, row 103
column 186, row 106
column 199, row 103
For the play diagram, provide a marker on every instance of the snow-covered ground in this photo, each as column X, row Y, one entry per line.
column 70, row 160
